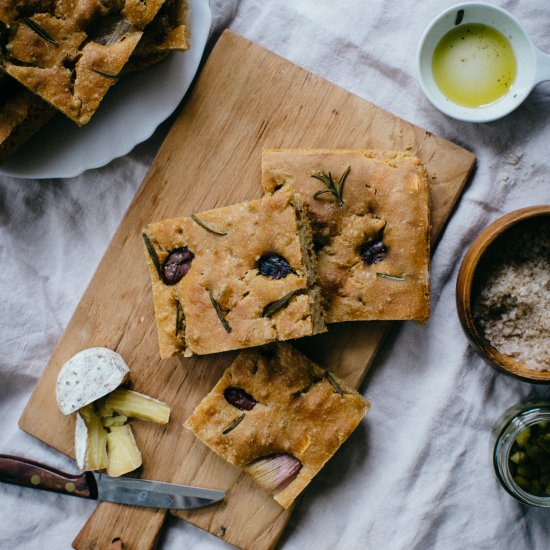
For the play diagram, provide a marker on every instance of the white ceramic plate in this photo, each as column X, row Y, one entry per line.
column 130, row 113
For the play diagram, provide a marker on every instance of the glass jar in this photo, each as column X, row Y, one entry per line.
column 505, row 432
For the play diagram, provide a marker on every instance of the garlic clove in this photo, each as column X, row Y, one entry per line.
column 274, row 472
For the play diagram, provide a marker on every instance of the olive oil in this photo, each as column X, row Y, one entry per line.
column 474, row 65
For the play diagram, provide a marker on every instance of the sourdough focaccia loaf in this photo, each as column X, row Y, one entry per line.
column 70, row 52
column 278, row 416
column 234, row 277
column 370, row 218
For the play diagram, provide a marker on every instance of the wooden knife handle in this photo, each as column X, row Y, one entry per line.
column 20, row 471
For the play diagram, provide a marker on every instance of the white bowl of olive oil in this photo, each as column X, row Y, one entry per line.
column 477, row 63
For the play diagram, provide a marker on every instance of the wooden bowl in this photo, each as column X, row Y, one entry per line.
column 464, row 286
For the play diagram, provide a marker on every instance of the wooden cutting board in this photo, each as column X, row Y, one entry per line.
column 245, row 98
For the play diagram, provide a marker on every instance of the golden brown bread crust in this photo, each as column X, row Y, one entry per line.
column 385, row 197
column 298, row 412
column 52, row 48
column 21, row 115
column 227, row 267
column 168, row 31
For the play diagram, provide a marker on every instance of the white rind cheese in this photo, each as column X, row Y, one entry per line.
column 88, row 376
column 80, row 441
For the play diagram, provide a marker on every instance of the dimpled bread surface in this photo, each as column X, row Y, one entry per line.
column 385, row 197
column 298, row 411
column 226, row 267
column 49, row 47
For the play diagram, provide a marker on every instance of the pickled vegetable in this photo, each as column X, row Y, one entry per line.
column 529, row 459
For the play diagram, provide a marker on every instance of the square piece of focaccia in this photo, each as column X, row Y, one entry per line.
column 370, row 218
column 70, row 52
column 234, row 277
column 279, row 417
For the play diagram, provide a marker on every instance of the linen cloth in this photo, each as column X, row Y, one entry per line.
column 416, row 474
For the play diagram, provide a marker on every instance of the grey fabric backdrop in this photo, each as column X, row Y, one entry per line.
column 416, row 474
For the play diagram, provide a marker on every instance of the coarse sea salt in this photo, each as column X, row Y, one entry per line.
column 511, row 304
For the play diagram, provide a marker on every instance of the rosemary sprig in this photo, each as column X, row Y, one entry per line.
column 336, row 189
column 180, row 318
column 274, row 307
column 219, row 312
column 234, row 424
column 333, row 383
column 207, row 227
column 104, row 73
column 390, row 277
column 153, row 254
column 39, row 30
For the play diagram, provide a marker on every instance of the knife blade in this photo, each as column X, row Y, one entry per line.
column 154, row 494
column 122, row 490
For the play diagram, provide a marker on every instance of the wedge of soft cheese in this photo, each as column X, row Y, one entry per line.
column 88, row 376
column 137, row 405
column 88, row 384
column 90, row 440
column 124, row 455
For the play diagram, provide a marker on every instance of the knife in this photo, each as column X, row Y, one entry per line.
column 122, row 490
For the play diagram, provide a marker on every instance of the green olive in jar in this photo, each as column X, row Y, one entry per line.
column 529, row 459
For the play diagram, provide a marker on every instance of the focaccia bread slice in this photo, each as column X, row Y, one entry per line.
column 21, row 115
column 279, row 417
column 234, row 277
column 70, row 52
column 168, row 32
column 370, row 217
